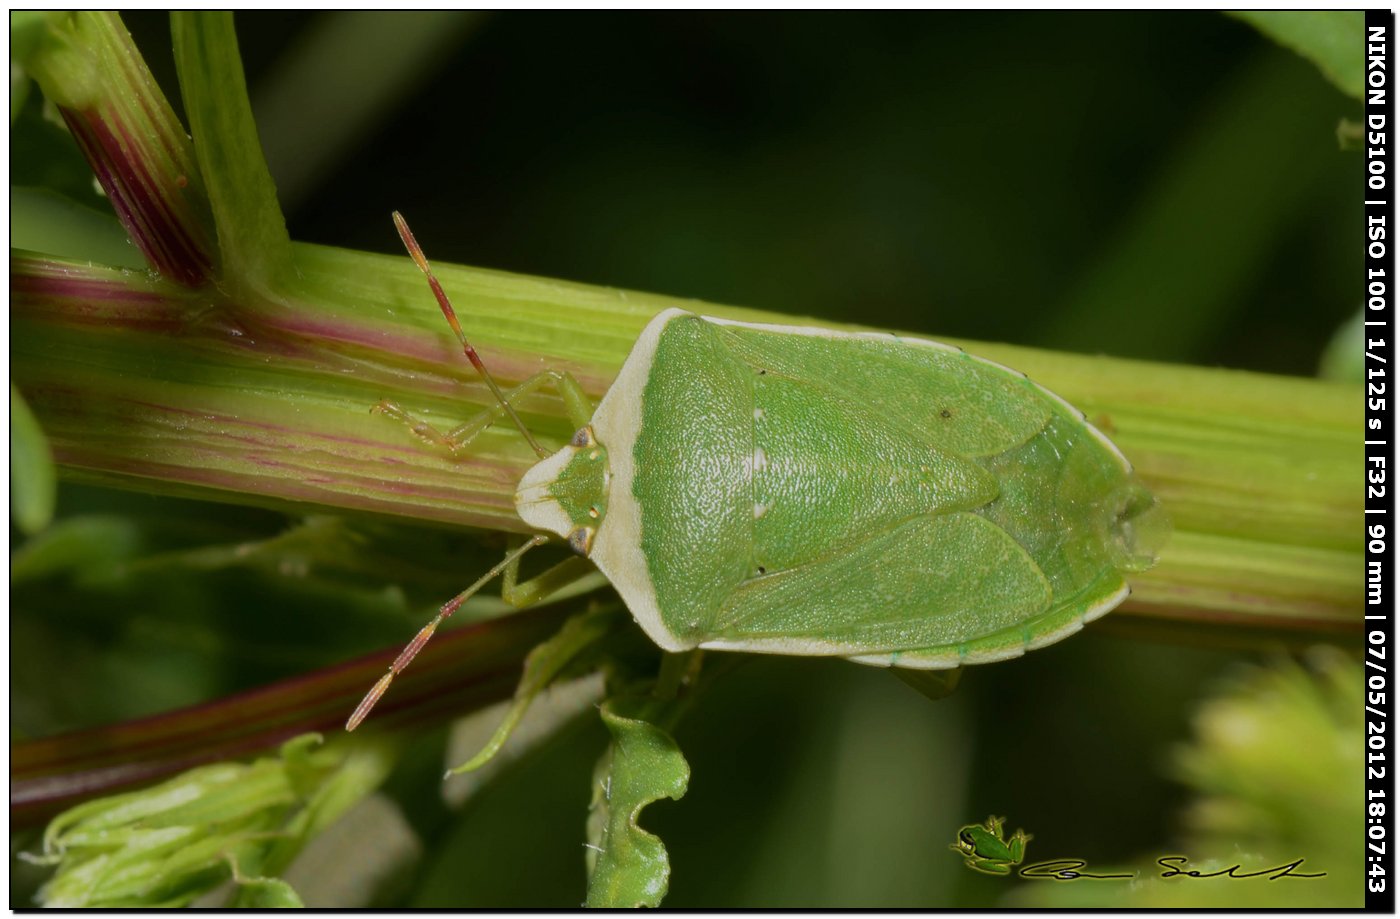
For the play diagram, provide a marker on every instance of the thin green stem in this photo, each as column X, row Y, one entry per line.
column 252, row 233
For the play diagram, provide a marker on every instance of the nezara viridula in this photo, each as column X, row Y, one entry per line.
column 802, row 491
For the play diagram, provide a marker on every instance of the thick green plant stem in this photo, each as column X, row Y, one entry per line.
column 144, row 384
column 247, row 373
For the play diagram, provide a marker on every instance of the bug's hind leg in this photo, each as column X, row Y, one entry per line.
column 577, row 408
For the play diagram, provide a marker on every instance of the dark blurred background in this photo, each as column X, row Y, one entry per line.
column 1163, row 185
column 1156, row 185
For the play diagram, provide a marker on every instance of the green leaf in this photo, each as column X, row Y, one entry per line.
column 26, row 31
column 43, row 220
column 627, row 866
column 80, row 545
column 33, row 480
column 1331, row 39
column 267, row 893
column 172, row 843
column 550, row 660
column 44, row 156
column 364, row 769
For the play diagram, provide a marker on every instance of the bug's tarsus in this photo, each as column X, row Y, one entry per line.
column 416, row 253
column 411, row 650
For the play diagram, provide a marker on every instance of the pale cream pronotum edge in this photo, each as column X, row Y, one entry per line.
column 617, row 545
column 532, row 500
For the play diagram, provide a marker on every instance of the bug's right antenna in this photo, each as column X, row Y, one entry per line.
column 411, row 650
column 416, row 252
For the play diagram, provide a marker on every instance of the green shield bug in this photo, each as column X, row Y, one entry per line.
column 794, row 490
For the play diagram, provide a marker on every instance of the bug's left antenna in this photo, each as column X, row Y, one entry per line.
column 411, row 650
column 416, row 252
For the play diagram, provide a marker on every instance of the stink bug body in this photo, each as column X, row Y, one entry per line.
column 795, row 490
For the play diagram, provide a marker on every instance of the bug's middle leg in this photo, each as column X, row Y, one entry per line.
column 577, row 408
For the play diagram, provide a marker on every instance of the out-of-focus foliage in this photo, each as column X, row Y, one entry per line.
column 1277, row 767
column 171, row 844
column 1256, row 793
column 33, row 479
column 1345, row 357
column 1331, row 39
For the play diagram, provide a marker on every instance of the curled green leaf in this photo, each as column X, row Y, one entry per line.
column 627, row 866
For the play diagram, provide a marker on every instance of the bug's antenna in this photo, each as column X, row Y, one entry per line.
column 416, row 252
column 411, row 650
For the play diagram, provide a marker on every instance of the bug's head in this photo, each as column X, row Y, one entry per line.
column 567, row 493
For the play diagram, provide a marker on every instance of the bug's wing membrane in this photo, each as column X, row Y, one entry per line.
column 957, row 577
column 940, row 394
column 1064, row 619
column 832, row 474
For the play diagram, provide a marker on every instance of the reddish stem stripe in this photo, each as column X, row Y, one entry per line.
column 465, row 669
column 170, row 241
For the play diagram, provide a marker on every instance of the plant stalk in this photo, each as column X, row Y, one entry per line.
column 144, row 384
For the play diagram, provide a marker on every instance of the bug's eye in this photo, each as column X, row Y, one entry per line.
column 581, row 540
column 583, row 437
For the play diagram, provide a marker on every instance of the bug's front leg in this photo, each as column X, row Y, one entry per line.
column 527, row 593
column 576, row 407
